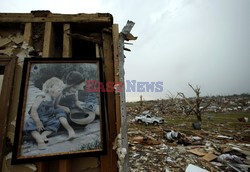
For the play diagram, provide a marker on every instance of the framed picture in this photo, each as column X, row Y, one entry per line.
column 61, row 111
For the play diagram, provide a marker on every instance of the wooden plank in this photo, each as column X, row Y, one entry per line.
column 209, row 157
column 101, row 51
column 48, row 49
column 67, row 41
column 197, row 152
column 65, row 165
column 100, row 18
column 5, row 97
column 94, row 39
column 48, row 43
column 27, row 36
column 42, row 166
column 109, row 161
column 115, row 31
column 97, row 51
column 124, row 141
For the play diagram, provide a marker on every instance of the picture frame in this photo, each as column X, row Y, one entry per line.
column 58, row 115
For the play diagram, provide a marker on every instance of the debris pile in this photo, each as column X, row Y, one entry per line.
column 176, row 146
column 14, row 45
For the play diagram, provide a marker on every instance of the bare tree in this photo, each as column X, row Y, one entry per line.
column 141, row 100
column 193, row 107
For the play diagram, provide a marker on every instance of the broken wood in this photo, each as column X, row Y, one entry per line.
column 96, row 40
column 128, row 43
column 148, row 140
column 97, row 51
column 99, row 18
column 108, row 161
column 209, row 157
column 116, row 73
column 197, row 152
column 129, row 36
column 122, row 36
column 67, row 41
column 126, row 49
column 40, row 13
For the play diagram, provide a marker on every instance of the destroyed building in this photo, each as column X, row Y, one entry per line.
column 42, row 34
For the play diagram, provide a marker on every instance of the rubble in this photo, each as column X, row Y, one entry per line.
column 193, row 168
column 209, row 157
column 172, row 135
column 220, row 145
column 145, row 140
column 224, row 137
column 228, row 157
column 14, row 45
column 196, row 125
column 243, row 119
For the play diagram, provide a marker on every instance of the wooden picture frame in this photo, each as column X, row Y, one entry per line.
column 57, row 117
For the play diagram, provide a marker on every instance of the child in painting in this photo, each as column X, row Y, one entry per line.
column 45, row 117
column 69, row 100
column 74, row 83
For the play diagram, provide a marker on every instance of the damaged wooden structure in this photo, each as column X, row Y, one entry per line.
column 44, row 34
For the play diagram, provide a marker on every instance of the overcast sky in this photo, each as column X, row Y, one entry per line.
column 201, row 42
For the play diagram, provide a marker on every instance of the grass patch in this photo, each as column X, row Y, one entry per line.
column 210, row 121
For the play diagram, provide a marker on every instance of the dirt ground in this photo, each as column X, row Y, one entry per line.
column 222, row 144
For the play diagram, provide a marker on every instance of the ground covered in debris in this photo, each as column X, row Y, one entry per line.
column 222, row 144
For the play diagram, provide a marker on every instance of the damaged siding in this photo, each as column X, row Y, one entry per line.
column 43, row 34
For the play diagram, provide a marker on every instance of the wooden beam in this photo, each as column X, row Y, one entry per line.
column 27, row 36
column 124, row 142
column 67, row 41
column 48, row 43
column 129, row 36
column 65, row 165
column 109, row 161
column 42, row 166
column 48, row 50
column 115, row 31
column 97, row 51
column 86, row 38
column 9, row 70
column 100, row 18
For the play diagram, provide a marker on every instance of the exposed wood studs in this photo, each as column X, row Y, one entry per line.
column 67, row 41
column 48, row 43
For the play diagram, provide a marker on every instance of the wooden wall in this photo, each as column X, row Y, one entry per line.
column 54, row 35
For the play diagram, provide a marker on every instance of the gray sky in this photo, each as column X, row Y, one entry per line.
column 201, row 42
